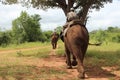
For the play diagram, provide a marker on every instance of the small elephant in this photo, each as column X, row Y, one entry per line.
column 54, row 39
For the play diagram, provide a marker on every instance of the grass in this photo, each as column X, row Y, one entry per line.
column 20, row 65
column 103, row 58
column 60, row 51
column 25, row 45
column 18, row 72
column 42, row 53
column 106, row 55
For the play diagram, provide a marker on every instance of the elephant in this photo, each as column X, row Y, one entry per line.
column 76, row 41
column 54, row 39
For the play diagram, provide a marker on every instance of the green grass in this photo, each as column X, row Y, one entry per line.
column 20, row 65
column 18, row 72
column 103, row 58
column 25, row 45
column 39, row 53
column 104, row 55
column 60, row 51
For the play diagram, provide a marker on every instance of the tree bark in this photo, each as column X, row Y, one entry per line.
column 84, row 14
column 66, row 8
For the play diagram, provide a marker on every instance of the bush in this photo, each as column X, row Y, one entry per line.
column 4, row 39
column 116, row 39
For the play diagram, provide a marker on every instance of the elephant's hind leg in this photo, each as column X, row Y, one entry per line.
column 79, row 56
column 68, row 60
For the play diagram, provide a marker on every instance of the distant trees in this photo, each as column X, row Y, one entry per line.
column 112, row 34
column 58, row 29
column 26, row 28
column 115, row 34
column 48, row 35
column 5, row 38
column 98, row 36
column 21, row 33
column 113, row 29
column 116, row 38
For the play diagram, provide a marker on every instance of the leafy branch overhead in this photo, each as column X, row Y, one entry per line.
column 82, row 6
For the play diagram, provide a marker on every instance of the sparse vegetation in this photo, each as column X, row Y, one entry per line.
column 23, row 63
column 19, row 72
column 112, row 34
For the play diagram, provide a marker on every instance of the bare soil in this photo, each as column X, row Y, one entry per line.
column 92, row 73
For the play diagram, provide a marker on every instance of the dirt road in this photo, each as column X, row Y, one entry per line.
column 92, row 73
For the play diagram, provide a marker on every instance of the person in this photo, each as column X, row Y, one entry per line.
column 70, row 17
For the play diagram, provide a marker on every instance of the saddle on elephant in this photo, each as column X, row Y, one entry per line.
column 72, row 19
column 70, row 24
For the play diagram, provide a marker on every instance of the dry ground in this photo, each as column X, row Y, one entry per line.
column 92, row 73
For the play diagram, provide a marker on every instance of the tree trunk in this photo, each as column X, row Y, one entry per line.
column 85, row 12
column 66, row 8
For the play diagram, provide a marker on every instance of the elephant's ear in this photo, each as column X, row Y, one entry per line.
column 61, row 36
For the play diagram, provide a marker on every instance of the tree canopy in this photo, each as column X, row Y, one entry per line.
column 27, row 28
column 83, row 6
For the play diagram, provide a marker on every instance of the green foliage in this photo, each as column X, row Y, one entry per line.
column 27, row 28
column 56, row 3
column 98, row 36
column 5, row 38
column 83, row 6
column 58, row 29
column 48, row 35
column 113, row 29
column 116, row 38
column 112, row 34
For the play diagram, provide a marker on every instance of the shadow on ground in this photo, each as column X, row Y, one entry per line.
column 98, row 72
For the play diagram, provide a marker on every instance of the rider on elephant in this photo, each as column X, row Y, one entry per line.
column 70, row 17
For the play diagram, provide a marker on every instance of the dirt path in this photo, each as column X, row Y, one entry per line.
column 103, row 73
column 21, row 49
column 92, row 73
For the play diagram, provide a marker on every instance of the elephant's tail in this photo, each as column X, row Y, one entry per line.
column 95, row 44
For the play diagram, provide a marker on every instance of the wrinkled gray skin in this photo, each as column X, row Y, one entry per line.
column 76, row 43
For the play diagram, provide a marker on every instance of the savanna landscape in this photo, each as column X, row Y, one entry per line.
column 38, row 61
column 26, row 52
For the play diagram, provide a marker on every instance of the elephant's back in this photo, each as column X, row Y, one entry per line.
column 77, row 34
column 77, row 31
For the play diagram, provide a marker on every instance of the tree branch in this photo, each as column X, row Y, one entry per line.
column 70, row 4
